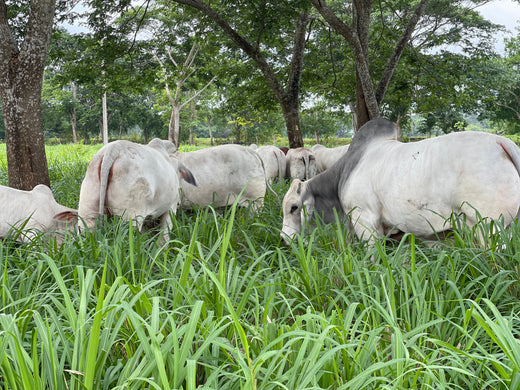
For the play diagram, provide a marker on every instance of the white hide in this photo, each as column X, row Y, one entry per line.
column 301, row 164
column 35, row 210
column 412, row 187
column 133, row 181
column 327, row 157
column 222, row 173
column 274, row 161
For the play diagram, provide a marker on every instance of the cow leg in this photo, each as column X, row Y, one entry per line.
column 367, row 225
column 166, row 225
column 257, row 204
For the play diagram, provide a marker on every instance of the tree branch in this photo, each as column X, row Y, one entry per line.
column 7, row 42
column 198, row 92
column 166, row 86
column 360, row 57
column 398, row 51
column 297, row 58
column 241, row 42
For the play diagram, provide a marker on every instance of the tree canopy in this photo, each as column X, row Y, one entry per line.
column 263, row 69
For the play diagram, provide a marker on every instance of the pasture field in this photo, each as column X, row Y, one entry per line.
column 226, row 305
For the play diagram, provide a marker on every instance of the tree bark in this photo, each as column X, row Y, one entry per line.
column 288, row 99
column 21, row 78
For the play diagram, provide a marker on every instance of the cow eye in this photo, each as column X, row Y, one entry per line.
column 294, row 208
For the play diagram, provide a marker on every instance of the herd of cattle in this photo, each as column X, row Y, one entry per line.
column 382, row 185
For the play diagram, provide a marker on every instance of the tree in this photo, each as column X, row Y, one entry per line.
column 23, row 52
column 501, row 78
column 357, row 35
column 260, row 30
column 183, row 70
column 395, row 39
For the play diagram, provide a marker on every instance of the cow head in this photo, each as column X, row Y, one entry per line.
column 301, row 164
column 298, row 207
column 171, row 151
column 163, row 144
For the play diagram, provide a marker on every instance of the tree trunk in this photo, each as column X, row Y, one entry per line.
column 354, row 116
column 104, row 123
column 173, row 126
column 193, row 117
column 361, row 22
column 210, row 131
column 72, row 113
column 21, row 78
column 237, row 133
column 363, row 116
column 291, row 115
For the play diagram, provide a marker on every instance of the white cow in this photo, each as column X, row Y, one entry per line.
column 327, row 157
column 383, row 184
column 33, row 211
column 133, row 181
column 301, row 164
column 223, row 173
column 274, row 161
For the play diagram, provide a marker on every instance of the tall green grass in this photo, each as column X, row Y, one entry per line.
column 226, row 305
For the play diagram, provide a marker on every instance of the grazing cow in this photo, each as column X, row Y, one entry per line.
column 274, row 161
column 223, row 173
column 384, row 185
column 30, row 211
column 301, row 164
column 327, row 157
column 133, row 181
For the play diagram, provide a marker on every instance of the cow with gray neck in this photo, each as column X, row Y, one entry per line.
column 134, row 181
column 384, row 185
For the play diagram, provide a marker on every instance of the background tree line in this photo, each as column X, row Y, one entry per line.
column 252, row 71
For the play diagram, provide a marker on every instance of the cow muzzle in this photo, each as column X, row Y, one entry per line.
column 288, row 234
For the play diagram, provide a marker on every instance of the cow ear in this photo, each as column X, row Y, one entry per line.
column 66, row 216
column 298, row 183
column 186, row 175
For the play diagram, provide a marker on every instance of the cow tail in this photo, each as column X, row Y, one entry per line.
column 266, row 180
column 105, row 174
column 281, row 163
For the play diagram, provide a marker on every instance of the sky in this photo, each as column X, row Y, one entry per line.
column 505, row 12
